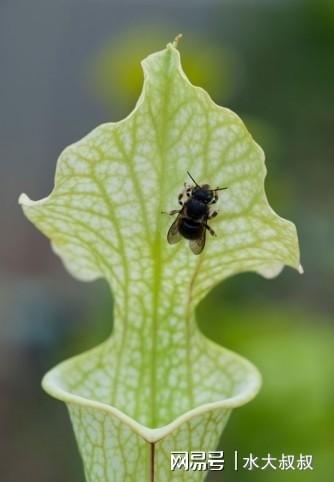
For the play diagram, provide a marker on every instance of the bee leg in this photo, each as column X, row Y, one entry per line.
column 211, row 231
column 215, row 198
column 187, row 190
column 171, row 213
column 213, row 214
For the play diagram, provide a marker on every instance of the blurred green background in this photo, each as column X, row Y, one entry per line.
column 68, row 66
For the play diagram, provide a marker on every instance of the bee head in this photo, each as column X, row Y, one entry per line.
column 203, row 193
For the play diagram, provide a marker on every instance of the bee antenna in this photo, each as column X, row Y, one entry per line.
column 192, row 178
column 219, row 189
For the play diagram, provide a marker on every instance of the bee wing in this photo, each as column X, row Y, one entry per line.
column 173, row 235
column 197, row 245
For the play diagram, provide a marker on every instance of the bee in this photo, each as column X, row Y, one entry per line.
column 192, row 219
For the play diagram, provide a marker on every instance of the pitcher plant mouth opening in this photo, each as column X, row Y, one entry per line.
column 57, row 382
column 158, row 379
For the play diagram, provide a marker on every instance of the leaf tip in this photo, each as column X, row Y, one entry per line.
column 176, row 40
column 24, row 200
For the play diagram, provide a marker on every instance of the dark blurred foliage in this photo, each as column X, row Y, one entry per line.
column 68, row 66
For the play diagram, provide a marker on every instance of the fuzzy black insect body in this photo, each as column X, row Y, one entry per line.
column 192, row 218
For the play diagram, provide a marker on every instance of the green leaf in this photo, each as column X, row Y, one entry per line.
column 157, row 384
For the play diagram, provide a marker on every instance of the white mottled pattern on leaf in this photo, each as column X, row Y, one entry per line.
column 104, row 219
